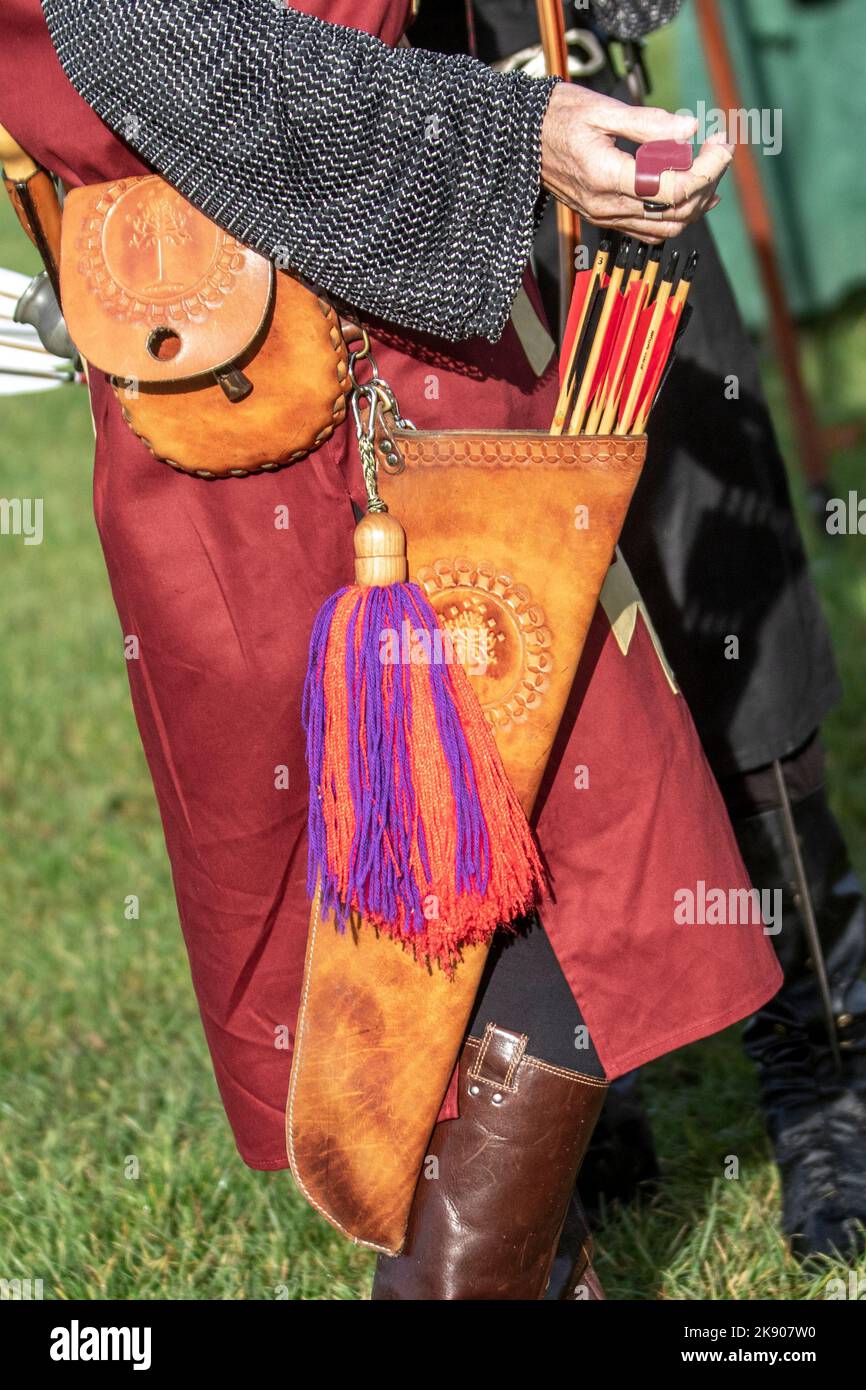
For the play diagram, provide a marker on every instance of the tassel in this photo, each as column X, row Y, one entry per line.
column 413, row 823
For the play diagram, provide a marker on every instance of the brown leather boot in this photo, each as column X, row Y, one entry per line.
column 486, row 1221
column 583, row 1284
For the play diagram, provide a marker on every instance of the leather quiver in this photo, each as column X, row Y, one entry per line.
column 223, row 365
column 510, row 535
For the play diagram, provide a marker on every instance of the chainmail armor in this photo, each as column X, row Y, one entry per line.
column 631, row 19
column 402, row 182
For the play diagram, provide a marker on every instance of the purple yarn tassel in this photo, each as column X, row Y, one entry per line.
column 378, row 879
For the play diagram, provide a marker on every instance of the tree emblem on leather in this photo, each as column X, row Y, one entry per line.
column 147, row 253
column 498, row 632
column 156, row 229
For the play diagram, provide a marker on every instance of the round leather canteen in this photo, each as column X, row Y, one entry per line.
column 223, row 366
column 297, row 368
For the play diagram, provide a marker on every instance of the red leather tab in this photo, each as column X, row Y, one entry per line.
column 653, row 158
column 450, row 1107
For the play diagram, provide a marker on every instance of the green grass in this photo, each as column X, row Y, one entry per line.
column 101, row 1050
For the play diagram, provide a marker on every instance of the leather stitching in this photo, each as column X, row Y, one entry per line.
column 472, row 1043
column 516, row 1060
column 498, row 1085
column 338, row 415
column 516, row 449
column 290, row 1109
column 475, row 1069
column 565, row 1072
column 479, row 1060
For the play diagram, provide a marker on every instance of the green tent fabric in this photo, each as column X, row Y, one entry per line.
column 808, row 59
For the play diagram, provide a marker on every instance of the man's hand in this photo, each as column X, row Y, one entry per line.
column 581, row 165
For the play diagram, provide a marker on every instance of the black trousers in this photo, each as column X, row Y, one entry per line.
column 524, row 989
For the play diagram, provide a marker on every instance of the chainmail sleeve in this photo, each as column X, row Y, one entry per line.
column 632, row 19
column 402, row 182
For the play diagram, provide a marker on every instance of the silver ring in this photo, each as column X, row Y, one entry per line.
column 655, row 212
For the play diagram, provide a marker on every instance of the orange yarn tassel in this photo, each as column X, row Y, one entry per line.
column 413, row 822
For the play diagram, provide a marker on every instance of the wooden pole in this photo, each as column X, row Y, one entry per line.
column 552, row 26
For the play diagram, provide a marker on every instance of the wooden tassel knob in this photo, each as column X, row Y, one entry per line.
column 380, row 550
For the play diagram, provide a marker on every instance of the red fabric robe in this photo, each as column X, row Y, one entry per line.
column 222, row 604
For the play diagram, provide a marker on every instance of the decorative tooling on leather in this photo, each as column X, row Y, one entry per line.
column 159, row 297
column 515, row 449
column 543, row 513
column 142, row 260
column 148, row 253
column 499, row 633
column 369, row 1075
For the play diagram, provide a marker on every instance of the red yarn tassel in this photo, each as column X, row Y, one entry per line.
column 413, row 822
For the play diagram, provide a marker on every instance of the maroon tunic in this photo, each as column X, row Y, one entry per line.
column 222, row 603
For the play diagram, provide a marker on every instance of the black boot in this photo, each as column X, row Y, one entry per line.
column 812, row 1069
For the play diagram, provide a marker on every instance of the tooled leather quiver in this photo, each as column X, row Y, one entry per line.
column 511, row 536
